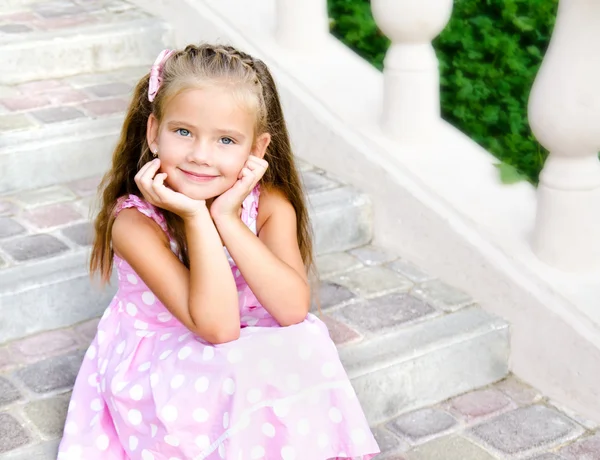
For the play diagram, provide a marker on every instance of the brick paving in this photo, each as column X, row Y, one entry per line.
column 506, row 420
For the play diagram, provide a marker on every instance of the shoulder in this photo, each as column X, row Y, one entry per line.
column 273, row 202
column 133, row 228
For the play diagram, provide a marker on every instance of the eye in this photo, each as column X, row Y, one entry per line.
column 227, row 140
column 183, row 132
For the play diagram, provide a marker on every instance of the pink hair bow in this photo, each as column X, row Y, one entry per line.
column 156, row 73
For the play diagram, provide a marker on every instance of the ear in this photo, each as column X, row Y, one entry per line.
column 260, row 145
column 152, row 132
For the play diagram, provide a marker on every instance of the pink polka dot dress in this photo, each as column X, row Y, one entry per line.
column 149, row 389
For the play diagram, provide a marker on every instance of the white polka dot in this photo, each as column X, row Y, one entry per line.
column 154, row 378
column 103, row 385
column 254, row 395
column 201, row 384
column 313, row 328
column 303, row 427
column 183, row 337
column 265, row 366
column 304, row 351
column 164, row 316
column 134, row 416
column 104, row 366
column 131, row 309
column 169, row 413
column 72, row 405
column 293, row 382
column 133, row 443
column 288, row 453
column 74, row 452
column 184, row 353
column 268, row 430
column 249, row 320
column 229, row 386
column 177, row 381
column 97, row 405
column 202, row 441
column 165, row 336
column 335, row 415
column 91, row 352
column 101, row 336
column 257, row 452
column 358, row 436
column 102, row 442
column 145, row 366
column 136, row 392
column 71, row 428
column 132, row 279
column 153, row 429
column 234, row 356
column 172, row 440
column 208, row 353
column 342, row 454
column 226, row 420
column 120, row 385
column 323, row 440
column 121, row 347
column 148, row 298
column 93, row 380
column 222, row 451
column 118, row 329
column 146, row 455
column 165, row 354
column 140, row 324
column 276, row 340
column 106, row 313
column 142, row 333
column 200, row 415
column 281, row 408
column 328, row 370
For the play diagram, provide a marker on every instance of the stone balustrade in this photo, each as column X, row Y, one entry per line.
column 564, row 114
column 564, row 107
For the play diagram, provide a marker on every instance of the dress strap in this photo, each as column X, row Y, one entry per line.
column 134, row 201
column 250, row 208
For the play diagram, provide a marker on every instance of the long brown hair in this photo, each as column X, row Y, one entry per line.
column 196, row 66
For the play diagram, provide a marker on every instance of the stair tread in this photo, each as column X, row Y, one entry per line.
column 41, row 19
column 45, row 107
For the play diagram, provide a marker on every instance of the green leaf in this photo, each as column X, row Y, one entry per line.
column 509, row 174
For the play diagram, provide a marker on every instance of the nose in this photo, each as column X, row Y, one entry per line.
column 200, row 153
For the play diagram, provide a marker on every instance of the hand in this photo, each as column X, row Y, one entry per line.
column 230, row 201
column 153, row 188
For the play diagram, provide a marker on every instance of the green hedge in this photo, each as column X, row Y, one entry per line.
column 489, row 55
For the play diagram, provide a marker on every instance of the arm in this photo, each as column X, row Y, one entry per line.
column 204, row 298
column 280, row 281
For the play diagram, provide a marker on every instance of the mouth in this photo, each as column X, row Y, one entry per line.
column 198, row 177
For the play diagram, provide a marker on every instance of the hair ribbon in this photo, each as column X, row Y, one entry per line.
column 156, row 73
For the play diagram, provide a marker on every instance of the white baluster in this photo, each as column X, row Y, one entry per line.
column 564, row 114
column 301, row 24
column 411, row 107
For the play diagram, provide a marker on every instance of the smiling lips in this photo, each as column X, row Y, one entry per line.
column 196, row 177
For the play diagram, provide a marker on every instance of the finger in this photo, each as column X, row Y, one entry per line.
column 144, row 168
column 158, row 186
column 148, row 175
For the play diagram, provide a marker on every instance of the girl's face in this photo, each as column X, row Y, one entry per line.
column 204, row 140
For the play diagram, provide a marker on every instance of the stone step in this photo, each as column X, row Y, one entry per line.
column 59, row 130
column 41, row 40
column 44, row 248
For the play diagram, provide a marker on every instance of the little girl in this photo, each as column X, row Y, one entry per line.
column 207, row 350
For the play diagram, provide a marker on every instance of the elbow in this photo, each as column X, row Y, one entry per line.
column 216, row 334
column 295, row 314
column 219, row 337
